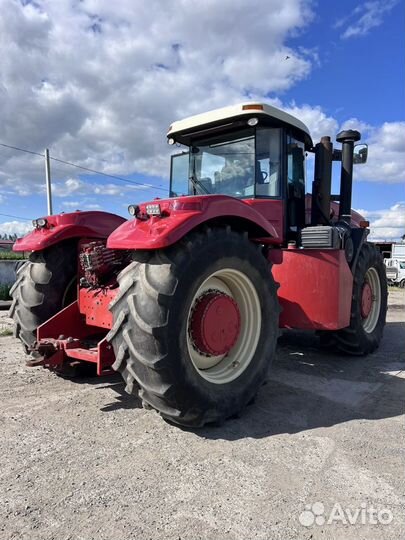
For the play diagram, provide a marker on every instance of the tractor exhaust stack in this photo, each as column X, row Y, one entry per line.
column 347, row 138
column 321, row 186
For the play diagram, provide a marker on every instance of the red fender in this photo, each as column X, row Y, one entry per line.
column 73, row 225
column 179, row 216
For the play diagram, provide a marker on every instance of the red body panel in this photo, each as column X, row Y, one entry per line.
column 68, row 322
column 315, row 288
column 93, row 304
column 182, row 214
column 272, row 211
column 73, row 225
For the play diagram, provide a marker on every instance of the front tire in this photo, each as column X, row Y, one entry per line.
column 45, row 284
column 369, row 306
column 195, row 326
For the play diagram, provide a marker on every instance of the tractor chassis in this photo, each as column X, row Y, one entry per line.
column 78, row 333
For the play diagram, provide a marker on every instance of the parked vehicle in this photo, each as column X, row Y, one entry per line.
column 186, row 298
column 395, row 271
column 398, row 251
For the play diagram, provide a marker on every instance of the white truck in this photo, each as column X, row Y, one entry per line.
column 398, row 251
column 395, row 271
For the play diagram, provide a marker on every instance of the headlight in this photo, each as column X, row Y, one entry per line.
column 39, row 223
column 133, row 209
column 42, row 222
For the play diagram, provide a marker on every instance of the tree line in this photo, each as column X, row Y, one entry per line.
column 12, row 237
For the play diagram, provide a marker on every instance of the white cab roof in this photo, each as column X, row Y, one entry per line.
column 237, row 111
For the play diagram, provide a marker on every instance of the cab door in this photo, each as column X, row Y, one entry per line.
column 179, row 174
column 295, row 187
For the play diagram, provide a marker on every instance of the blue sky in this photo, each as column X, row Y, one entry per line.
column 99, row 85
column 360, row 77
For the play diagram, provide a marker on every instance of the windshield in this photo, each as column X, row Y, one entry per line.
column 224, row 167
column 247, row 165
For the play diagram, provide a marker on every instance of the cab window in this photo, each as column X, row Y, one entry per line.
column 179, row 177
column 296, row 165
column 295, row 185
column 268, row 162
column 223, row 167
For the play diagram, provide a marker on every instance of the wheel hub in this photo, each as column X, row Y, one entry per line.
column 366, row 300
column 215, row 323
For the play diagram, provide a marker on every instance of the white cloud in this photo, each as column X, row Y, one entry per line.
column 386, row 143
column 89, row 206
column 386, row 153
column 15, row 227
column 315, row 119
column 82, row 205
column 365, row 17
column 71, row 204
column 75, row 186
column 99, row 83
column 386, row 224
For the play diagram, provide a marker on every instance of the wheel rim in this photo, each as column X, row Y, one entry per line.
column 237, row 325
column 371, row 300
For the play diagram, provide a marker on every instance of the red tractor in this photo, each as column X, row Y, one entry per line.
column 186, row 299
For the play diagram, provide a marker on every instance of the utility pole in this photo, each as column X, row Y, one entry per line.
column 48, row 181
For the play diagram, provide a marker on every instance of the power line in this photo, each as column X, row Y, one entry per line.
column 22, row 149
column 85, row 168
column 108, row 175
column 17, row 217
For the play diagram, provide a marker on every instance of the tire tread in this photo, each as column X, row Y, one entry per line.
column 140, row 339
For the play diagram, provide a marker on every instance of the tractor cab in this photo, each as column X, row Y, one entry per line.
column 246, row 151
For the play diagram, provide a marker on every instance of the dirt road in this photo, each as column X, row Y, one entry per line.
column 81, row 460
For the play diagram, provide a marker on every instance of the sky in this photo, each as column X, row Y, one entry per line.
column 99, row 83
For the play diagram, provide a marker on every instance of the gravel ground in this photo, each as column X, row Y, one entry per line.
column 81, row 460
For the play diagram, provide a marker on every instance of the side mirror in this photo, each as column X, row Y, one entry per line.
column 360, row 154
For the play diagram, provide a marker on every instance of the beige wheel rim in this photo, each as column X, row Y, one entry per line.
column 373, row 280
column 225, row 368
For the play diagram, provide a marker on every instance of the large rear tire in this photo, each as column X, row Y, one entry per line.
column 45, row 284
column 369, row 306
column 195, row 326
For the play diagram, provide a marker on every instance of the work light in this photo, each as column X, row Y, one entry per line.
column 153, row 209
column 253, row 121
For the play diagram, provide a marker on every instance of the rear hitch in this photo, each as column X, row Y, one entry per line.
column 66, row 355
